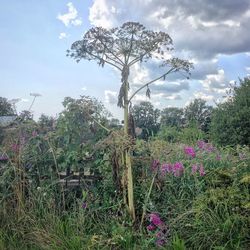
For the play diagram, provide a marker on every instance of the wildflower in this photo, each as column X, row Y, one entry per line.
column 178, row 169
column 3, row 158
column 155, row 219
column 201, row 144
column 84, row 205
column 201, row 170
column 160, row 242
column 209, row 147
column 190, row 151
column 155, row 164
column 194, row 169
column 166, row 167
column 151, row 227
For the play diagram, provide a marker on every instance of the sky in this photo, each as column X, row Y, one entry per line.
column 34, row 37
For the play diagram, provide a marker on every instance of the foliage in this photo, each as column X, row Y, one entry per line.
column 172, row 117
column 146, row 118
column 200, row 113
column 231, row 120
column 5, row 107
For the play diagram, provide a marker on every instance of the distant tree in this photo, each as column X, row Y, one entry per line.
column 25, row 116
column 46, row 123
column 123, row 47
column 5, row 107
column 173, row 117
column 231, row 120
column 200, row 113
column 146, row 118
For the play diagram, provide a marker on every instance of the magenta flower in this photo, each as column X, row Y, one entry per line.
column 151, row 227
column 201, row 144
column 201, row 170
column 178, row 169
column 194, row 169
column 155, row 219
column 160, row 242
column 84, row 205
column 166, row 168
column 190, row 151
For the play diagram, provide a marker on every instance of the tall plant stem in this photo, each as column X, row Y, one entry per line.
column 128, row 159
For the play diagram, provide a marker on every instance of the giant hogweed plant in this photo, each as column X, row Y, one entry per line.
column 123, row 47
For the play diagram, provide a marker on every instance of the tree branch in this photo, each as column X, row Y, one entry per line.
column 150, row 82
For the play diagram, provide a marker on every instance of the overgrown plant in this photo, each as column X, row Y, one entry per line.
column 122, row 47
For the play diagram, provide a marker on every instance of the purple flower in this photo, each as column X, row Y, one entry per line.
column 84, row 205
column 160, row 242
column 155, row 219
column 194, row 169
column 209, row 147
column 151, row 227
column 201, row 144
column 155, row 164
column 178, row 169
column 3, row 158
column 201, row 170
column 166, row 168
column 190, row 151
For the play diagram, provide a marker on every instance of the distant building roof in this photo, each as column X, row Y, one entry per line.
column 7, row 120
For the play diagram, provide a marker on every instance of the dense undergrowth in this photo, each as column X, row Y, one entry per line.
column 188, row 196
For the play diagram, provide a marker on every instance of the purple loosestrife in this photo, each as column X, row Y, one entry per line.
column 190, row 151
column 194, row 169
column 202, row 170
column 201, row 144
column 166, row 168
column 178, row 169
column 155, row 219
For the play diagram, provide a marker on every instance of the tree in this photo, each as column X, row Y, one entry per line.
column 173, row 117
column 146, row 118
column 5, row 107
column 200, row 113
column 231, row 120
column 121, row 48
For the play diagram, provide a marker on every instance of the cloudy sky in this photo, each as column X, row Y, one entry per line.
column 35, row 35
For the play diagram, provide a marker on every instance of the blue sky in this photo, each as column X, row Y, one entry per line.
column 36, row 34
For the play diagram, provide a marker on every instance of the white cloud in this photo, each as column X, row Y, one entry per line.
column 84, row 88
column 247, row 69
column 70, row 18
column 201, row 95
column 62, row 35
column 110, row 96
column 215, row 82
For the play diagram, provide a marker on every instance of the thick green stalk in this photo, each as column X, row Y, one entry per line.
column 128, row 159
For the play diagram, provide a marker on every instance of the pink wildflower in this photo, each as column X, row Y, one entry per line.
column 155, row 219
column 201, row 170
column 190, row 151
column 194, row 169
column 166, row 167
column 201, row 144
column 178, row 169
column 160, row 242
column 151, row 227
